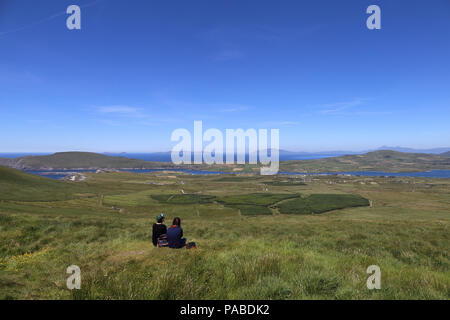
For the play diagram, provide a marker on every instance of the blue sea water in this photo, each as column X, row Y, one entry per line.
column 59, row 174
column 9, row 155
column 56, row 174
column 165, row 157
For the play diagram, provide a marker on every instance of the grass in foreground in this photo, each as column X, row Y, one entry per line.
column 238, row 257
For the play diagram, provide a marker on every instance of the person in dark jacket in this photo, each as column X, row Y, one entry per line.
column 175, row 235
column 159, row 228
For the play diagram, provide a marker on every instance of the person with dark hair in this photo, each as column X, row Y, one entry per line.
column 159, row 231
column 175, row 235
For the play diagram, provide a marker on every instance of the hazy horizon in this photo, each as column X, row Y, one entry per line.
column 435, row 149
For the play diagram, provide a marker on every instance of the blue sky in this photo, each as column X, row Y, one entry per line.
column 137, row 70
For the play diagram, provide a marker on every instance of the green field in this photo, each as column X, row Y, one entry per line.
column 256, row 237
column 17, row 185
column 285, row 183
column 320, row 203
column 183, row 199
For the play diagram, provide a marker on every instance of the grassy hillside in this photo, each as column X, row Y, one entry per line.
column 384, row 160
column 21, row 186
column 257, row 256
column 445, row 154
column 6, row 162
column 378, row 160
column 80, row 160
column 18, row 185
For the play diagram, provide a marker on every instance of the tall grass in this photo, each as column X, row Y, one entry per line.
column 238, row 256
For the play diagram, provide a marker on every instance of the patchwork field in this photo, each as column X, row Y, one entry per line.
column 320, row 203
column 271, row 237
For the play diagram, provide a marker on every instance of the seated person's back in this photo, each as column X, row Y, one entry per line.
column 159, row 229
column 175, row 235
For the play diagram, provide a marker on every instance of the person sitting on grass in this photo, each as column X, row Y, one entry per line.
column 175, row 235
column 159, row 231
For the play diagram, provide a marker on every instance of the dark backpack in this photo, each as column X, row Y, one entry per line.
column 191, row 245
column 162, row 241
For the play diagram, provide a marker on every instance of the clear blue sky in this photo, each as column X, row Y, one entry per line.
column 137, row 70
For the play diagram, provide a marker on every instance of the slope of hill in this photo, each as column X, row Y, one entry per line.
column 21, row 186
column 445, row 154
column 411, row 150
column 6, row 162
column 384, row 160
column 72, row 160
